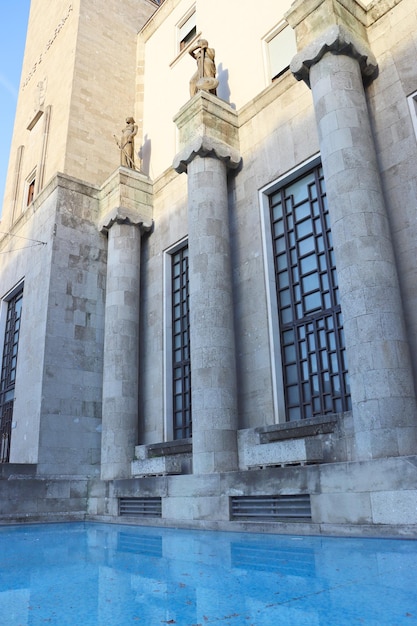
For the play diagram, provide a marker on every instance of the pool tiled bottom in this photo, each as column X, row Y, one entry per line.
column 111, row 575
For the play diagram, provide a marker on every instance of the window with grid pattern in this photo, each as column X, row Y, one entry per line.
column 311, row 327
column 181, row 372
column 8, row 372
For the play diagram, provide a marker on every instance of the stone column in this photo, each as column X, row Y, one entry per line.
column 126, row 214
column 208, row 134
column 335, row 61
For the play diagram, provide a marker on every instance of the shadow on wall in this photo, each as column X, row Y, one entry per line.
column 223, row 90
column 144, row 155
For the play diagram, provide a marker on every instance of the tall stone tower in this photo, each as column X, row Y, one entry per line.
column 79, row 83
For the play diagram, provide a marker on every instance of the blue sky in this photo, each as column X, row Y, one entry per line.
column 13, row 23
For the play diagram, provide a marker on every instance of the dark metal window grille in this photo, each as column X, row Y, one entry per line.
column 311, row 326
column 181, row 371
column 8, row 373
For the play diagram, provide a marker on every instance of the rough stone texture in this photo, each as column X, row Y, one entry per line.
column 393, row 507
column 126, row 196
column 207, row 116
column 381, row 382
column 336, row 40
column 311, row 19
column 383, row 395
column 396, row 144
column 254, row 454
column 342, row 508
column 85, row 54
column 48, row 500
column 212, row 346
column 159, row 465
column 57, row 412
column 211, row 319
column 370, row 501
column 62, row 368
column 121, row 351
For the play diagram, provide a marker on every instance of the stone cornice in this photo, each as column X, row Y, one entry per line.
column 121, row 215
column 204, row 146
column 338, row 40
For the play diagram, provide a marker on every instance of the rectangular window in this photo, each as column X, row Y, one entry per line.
column 311, row 328
column 181, row 367
column 412, row 103
column 187, row 30
column 280, row 49
column 8, row 372
column 30, row 189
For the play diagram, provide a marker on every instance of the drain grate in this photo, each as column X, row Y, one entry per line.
column 140, row 507
column 271, row 508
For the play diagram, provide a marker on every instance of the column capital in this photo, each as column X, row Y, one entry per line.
column 335, row 26
column 208, row 127
column 205, row 146
column 126, row 198
column 337, row 40
column 121, row 215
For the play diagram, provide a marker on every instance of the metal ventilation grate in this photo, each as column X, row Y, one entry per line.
column 140, row 507
column 271, row 508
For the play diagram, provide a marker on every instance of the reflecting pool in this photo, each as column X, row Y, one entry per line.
column 88, row 574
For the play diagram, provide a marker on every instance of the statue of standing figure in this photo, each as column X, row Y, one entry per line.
column 127, row 144
column 204, row 78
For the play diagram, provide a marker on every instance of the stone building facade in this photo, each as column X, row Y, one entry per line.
column 221, row 334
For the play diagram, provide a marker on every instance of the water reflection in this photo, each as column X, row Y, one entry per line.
column 105, row 575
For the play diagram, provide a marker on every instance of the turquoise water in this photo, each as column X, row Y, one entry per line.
column 112, row 575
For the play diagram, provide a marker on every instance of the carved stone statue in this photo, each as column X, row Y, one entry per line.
column 40, row 94
column 204, row 78
column 127, row 144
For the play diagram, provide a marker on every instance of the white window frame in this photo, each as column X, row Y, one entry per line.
column 272, row 34
column 184, row 28
column 270, row 287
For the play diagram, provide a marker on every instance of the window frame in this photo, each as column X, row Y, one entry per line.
column 268, row 38
column 412, row 105
column 183, row 40
column 30, row 189
column 14, row 294
column 169, row 429
column 280, row 409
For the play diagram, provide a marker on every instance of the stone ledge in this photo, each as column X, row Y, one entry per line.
column 158, row 466
column 164, row 458
column 281, row 453
column 163, row 448
column 167, row 448
column 297, row 430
